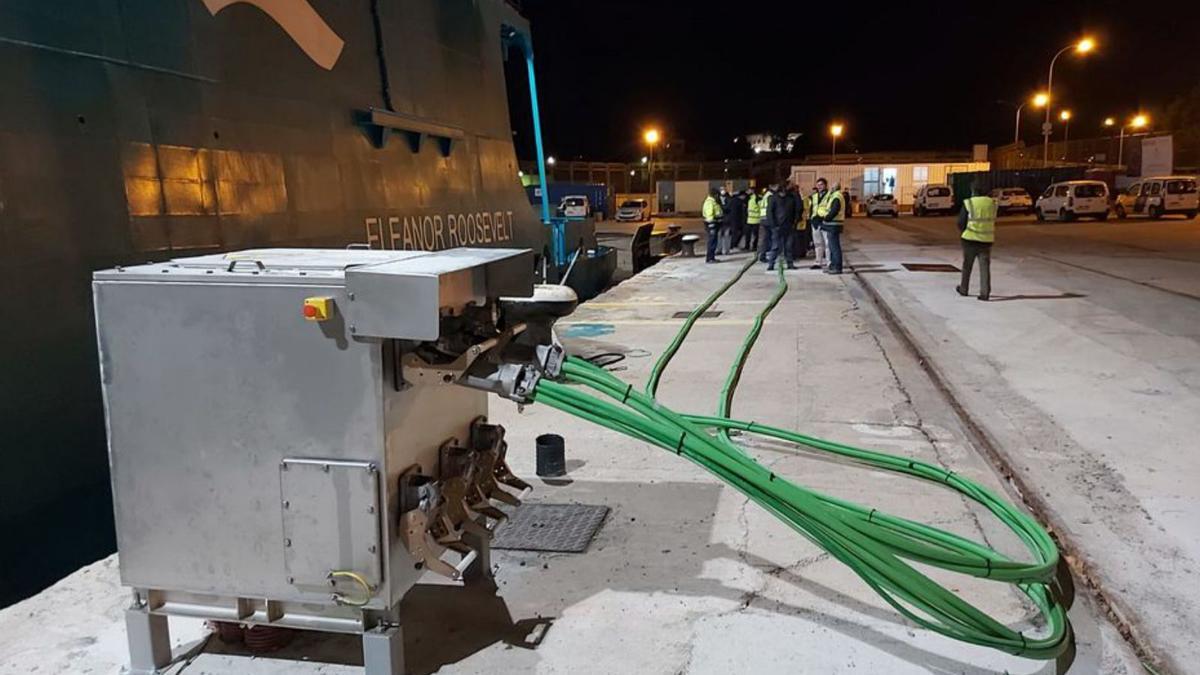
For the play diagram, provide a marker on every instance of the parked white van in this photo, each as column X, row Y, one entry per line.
column 933, row 198
column 575, row 206
column 1158, row 196
column 1074, row 199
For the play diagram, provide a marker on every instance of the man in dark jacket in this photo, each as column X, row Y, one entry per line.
column 783, row 214
column 731, row 224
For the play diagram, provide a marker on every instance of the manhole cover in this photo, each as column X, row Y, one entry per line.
column 930, row 267
column 563, row 528
column 710, row 314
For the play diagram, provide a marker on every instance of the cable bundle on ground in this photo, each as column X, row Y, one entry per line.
column 877, row 546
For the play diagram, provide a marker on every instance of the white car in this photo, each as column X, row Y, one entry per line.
column 575, row 206
column 1012, row 200
column 1074, row 199
column 633, row 210
column 1157, row 196
column 933, row 198
column 883, row 205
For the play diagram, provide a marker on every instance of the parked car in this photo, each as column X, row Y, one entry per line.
column 1074, row 199
column 1012, row 200
column 933, row 198
column 883, row 205
column 633, row 210
column 1157, row 196
column 575, row 206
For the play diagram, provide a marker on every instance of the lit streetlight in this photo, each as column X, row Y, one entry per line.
column 550, row 160
column 835, row 131
column 1039, row 100
column 652, row 137
column 1065, row 116
column 1081, row 47
column 1108, row 121
column 1139, row 121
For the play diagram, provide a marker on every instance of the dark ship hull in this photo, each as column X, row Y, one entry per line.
column 134, row 130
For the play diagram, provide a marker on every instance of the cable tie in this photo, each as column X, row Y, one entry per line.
column 679, row 447
column 988, row 562
column 771, row 479
column 628, row 390
column 871, row 515
column 947, row 477
column 750, row 427
column 1024, row 645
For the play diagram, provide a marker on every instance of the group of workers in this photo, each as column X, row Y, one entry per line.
column 789, row 223
column 777, row 222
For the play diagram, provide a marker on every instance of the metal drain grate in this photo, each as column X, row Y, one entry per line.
column 563, row 528
column 930, row 267
column 710, row 314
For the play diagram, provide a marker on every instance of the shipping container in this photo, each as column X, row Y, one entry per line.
column 1035, row 181
column 687, row 196
column 597, row 195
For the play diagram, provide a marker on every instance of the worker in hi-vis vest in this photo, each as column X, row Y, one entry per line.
column 977, row 222
column 820, row 252
column 712, row 213
column 832, row 212
column 764, row 205
column 754, row 216
column 803, row 238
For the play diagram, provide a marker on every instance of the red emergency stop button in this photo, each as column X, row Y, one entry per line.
column 318, row 309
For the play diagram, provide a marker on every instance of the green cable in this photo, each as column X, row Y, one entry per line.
column 725, row 404
column 873, row 544
column 669, row 353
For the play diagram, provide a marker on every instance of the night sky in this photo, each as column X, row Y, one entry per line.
column 923, row 76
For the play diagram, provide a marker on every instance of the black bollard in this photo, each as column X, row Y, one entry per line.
column 551, row 456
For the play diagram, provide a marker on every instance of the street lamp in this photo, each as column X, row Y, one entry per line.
column 835, row 130
column 1038, row 101
column 1065, row 116
column 1084, row 46
column 652, row 137
column 550, row 160
column 1138, row 122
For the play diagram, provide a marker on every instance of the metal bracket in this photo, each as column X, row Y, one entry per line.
column 418, row 371
column 381, row 123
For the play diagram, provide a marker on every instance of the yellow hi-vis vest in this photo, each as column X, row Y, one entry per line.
column 824, row 206
column 981, row 219
column 711, row 210
column 754, row 214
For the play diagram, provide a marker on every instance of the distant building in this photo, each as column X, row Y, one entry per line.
column 891, row 176
column 760, row 143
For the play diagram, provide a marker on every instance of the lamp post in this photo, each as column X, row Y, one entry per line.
column 1084, row 46
column 835, row 130
column 1065, row 116
column 1138, row 122
column 1038, row 101
column 652, row 137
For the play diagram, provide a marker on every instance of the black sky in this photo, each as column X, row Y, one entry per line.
column 916, row 76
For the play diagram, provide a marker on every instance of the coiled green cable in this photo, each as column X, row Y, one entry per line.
column 876, row 546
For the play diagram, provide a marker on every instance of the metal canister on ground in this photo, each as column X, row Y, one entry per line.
column 551, row 456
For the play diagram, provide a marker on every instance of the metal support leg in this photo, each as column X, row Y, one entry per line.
column 383, row 651
column 149, row 641
column 480, row 570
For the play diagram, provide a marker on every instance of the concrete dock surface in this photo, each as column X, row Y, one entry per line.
column 1082, row 387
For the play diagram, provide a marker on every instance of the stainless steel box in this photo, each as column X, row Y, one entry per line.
column 254, row 450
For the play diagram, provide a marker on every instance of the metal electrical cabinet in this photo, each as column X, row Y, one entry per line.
column 263, row 413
